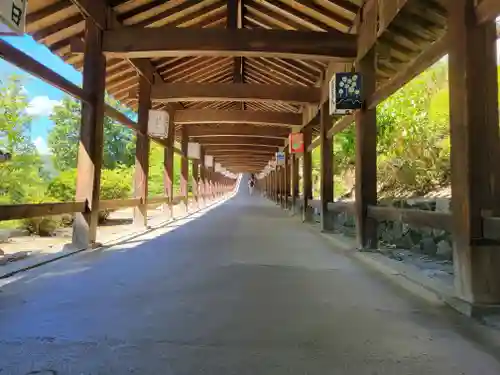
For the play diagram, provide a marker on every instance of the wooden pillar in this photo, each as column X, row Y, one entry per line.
column 211, row 185
column 202, row 184
column 208, row 186
column 268, row 186
column 295, row 181
column 184, row 169
column 280, row 185
column 326, row 168
column 276, row 183
column 474, row 154
column 307, row 177
column 366, row 158
column 90, row 152
column 194, row 182
column 271, row 181
column 142, row 153
column 286, row 181
column 168, row 171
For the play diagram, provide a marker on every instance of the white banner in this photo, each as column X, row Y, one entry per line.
column 209, row 161
column 158, row 123
column 12, row 16
column 194, row 150
column 218, row 167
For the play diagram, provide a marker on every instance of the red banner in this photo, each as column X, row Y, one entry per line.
column 296, row 143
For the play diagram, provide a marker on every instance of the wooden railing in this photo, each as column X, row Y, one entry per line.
column 119, row 203
column 413, row 217
column 26, row 211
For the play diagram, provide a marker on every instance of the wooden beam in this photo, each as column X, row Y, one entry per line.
column 189, row 92
column 366, row 158
column 237, row 130
column 26, row 211
column 214, row 116
column 426, row 59
column 416, row 218
column 475, row 148
column 113, row 204
column 165, row 41
column 121, row 118
column 487, row 10
column 422, row 62
column 90, row 154
column 142, row 154
column 30, row 65
column 326, row 168
column 341, row 125
column 97, row 11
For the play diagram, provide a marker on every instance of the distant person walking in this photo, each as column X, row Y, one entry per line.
column 251, row 184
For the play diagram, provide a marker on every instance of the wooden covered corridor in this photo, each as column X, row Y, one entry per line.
column 239, row 76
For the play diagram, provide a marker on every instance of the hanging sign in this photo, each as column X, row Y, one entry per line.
column 272, row 165
column 158, row 123
column 218, row 167
column 12, row 17
column 194, row 150
column 346, row 90
column 296, row 143
column 280, row 158
column 209, row 161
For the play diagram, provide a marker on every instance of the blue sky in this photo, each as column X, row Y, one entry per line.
column 42, row 96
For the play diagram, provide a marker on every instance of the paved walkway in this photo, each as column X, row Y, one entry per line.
column 241, row 290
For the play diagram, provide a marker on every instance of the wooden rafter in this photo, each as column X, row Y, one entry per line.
column 175, row 92
column 207, row 116
column 137, row 42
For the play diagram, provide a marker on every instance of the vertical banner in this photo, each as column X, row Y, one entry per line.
column 158, row 123
column 209, row 161
column 280, row 158
column 346, row 92
column 296, row 143
column 194, row 150
column 12, row 17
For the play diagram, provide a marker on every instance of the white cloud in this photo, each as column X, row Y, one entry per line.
column 41, row 146
column 41, row 106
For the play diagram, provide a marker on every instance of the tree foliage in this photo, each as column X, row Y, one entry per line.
column 64, row 138
column 22, row 178
column 412, row 137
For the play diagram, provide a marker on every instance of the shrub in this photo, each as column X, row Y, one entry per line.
column 115, row 184
column 43, row 225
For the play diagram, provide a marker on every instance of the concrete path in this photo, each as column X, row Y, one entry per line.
column 241, row 290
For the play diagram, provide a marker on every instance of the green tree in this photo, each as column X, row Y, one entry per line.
column 119, row 141
column 21, row 179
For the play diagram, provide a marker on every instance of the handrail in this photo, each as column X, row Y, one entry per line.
column 314, row 203
column 415, row 217
column 112, row 204
column 157, row 200
column 26, row 211
column 341, row 206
